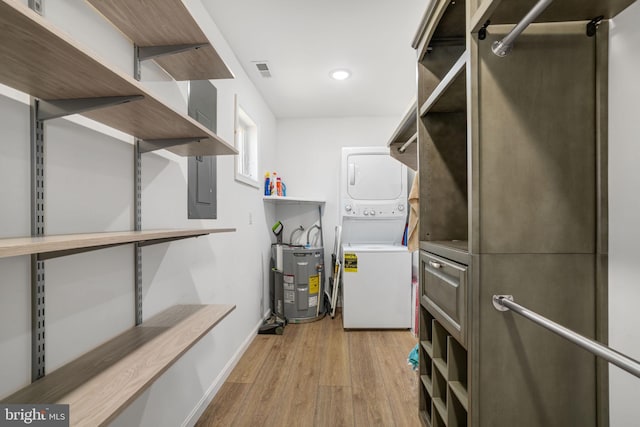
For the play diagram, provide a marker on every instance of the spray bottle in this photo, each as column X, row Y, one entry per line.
column 267, row 190
column 279, row 186
column 272, row 185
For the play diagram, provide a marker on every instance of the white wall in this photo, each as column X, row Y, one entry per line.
column 624, row 211
column 308, row 160
column 90, row 189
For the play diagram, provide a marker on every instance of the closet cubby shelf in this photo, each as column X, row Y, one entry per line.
column 61, row 244
column 441, row 407
column 166, row 23
column 44, row 62
column 461, row 393
column 451, row 94
column 444, row 398
column 103, row 382
column 441, row 365
column 426, row 381
column 406, row 133
column 428, row 347
column 511, row 12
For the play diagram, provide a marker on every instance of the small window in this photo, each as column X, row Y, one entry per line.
column 246, row 142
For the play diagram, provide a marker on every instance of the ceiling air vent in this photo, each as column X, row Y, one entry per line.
column 263, row 68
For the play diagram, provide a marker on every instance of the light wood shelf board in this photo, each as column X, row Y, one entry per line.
column 32, row 245
column 100, row 384
column 44, row 62
column 292, row 200
column 450, row 95
column 511, row 12
column 166, row 22
column 461, row 393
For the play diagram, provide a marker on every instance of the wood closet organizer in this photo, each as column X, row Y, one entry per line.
column 512, row 157
column 65, row 78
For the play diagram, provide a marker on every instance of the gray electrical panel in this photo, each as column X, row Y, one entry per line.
column 202, row 191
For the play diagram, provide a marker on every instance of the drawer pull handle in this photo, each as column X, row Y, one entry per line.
column 435, row 264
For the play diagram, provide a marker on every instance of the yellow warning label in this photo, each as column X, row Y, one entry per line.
column 350, row 263
column 314, row 284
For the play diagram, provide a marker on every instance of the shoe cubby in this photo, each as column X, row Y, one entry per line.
column 438, row 420
column 458, row 396
column 425, row 351
column 440, row 392
column 443, row 372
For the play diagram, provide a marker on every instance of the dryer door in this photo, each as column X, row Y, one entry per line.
column 374, row 176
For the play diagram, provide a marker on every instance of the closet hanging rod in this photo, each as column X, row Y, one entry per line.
column 503, row 47
column 408, row 143
column 506, row 303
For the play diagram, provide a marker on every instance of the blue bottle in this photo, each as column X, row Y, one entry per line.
column 267, row 182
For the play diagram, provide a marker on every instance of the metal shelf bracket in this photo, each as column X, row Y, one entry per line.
column 54, row 109
column 148, row 145
column 143, row 53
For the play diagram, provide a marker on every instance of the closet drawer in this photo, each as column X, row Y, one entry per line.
column 444, row 293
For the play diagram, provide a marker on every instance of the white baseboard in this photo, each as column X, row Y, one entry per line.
column 213, row 389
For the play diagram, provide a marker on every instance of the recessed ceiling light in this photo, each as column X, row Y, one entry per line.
column 341, row 74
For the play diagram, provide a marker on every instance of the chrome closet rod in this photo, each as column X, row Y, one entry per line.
column 408, row 143
column 503, row 47
column 505, row 302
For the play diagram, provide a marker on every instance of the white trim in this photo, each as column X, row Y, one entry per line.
column 246, row 180
column 239, row 114
column 213, row 389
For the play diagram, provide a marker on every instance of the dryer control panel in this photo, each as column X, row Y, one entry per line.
column 373, row 210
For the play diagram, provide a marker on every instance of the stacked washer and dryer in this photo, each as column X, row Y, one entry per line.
column 376, row 266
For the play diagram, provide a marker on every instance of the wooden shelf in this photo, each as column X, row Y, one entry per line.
column 279, row 200
column 441, row 407
column 428, row 385
column 166, row 23
column 461, row 394
column 455, row 250
column 511, row 12
column 444, row 22
column 71, row 242
column 100, row 384
column 406, row 131
column 428, row 348
column 451, row 94
column 44, row 62
column 441, row 365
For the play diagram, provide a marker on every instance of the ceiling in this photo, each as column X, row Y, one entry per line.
column 304, row 40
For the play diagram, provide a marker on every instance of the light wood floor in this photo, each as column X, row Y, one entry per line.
column 317, row 374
